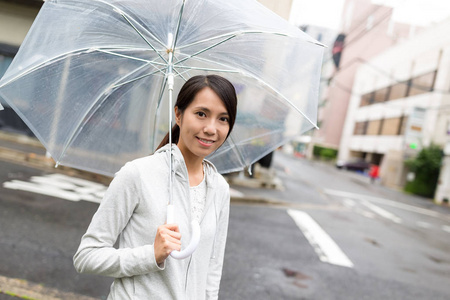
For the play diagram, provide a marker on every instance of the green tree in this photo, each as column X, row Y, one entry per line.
column 426, row 167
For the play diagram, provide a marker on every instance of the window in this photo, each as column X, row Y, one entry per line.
column 360, row 128
column 398, row 90
column 373, row 128
column 391, row 126
column 414, row 86
column 381, row 95
column 366, row 99
column 422, row 84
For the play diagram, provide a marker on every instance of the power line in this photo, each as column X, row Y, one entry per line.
column 364, row 20
column 386, row 74
column 361, row 34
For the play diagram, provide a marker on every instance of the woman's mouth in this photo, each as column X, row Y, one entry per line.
column 204, row 142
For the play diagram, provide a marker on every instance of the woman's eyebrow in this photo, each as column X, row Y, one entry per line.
column 205, row 109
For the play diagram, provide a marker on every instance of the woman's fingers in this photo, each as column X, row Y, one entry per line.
column 168, row 238
column 173, row 227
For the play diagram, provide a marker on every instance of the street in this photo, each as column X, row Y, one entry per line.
column 329, row 234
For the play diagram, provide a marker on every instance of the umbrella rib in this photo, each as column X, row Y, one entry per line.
column 267, row 85
column 90, row 112
column 60, row 57
column 161, row 93
column 178, row 25
column 130, row 57
column 234, row 34
column 241, row 157
column 137, row 78
column 227, row 38
column 179, row 74
column 207, row 69
column 142, row 36
column 206, row 49
column 230, row 35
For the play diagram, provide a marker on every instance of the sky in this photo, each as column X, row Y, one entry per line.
column 326, row 13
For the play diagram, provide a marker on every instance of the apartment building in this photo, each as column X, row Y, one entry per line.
column 368, row 30
column 400, row 103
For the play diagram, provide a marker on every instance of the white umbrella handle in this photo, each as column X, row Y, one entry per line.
column 195, row 239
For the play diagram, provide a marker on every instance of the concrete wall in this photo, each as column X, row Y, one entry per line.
column 15, row 21
column 280, row 7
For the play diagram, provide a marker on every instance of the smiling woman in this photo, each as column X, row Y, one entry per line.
column 135, row 205
column 221, row 87
column 205, row 113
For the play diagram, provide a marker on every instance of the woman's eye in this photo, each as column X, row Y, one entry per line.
column 201, row 114
column 224, row 119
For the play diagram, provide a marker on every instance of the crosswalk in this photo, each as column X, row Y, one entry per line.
column 60, row 186
column 328, row 251
column 76, row 189
column 364, row 206
column 68, row 188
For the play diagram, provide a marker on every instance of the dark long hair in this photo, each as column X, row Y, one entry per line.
column 221, row 86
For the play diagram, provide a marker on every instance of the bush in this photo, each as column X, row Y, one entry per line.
column 426, row 167
column 328, row 154
column 324, row 153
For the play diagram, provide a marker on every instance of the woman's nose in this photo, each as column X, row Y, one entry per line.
column 210, row 128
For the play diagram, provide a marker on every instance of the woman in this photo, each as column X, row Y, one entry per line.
column 134, row 208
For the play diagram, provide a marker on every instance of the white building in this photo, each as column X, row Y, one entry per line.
column 400, row 102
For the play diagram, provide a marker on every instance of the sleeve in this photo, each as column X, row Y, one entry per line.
column 96, row 254
column 216, row 261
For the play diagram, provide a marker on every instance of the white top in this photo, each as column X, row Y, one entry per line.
column 131, row 212
column 198, row 200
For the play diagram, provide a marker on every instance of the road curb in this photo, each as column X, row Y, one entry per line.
column 48, row 164
column 258, row 200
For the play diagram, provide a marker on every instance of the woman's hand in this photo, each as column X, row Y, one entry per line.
column 168, row 238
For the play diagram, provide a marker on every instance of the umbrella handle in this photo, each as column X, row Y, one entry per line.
column 195, row 239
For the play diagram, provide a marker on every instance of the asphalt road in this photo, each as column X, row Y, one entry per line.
column 331, row 236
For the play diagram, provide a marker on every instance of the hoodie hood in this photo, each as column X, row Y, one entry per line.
column 180, row 169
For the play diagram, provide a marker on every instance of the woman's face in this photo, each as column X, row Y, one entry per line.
column 203, row 125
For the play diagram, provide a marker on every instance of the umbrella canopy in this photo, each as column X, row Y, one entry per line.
column 90, row 79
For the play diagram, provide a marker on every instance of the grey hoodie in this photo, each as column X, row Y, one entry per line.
column 133, row 207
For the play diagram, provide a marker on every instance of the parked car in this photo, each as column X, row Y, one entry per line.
column 354, row 165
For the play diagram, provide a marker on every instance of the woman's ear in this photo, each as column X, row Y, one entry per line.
column 178, row 116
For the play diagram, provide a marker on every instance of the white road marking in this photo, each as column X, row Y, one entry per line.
column 446, row 228
column 382, row 212
column 60, row 186
column 322, row 243
column 236, row 193
column 395, row 204
column 366, row 214
column 423, row 224
column 349, row 202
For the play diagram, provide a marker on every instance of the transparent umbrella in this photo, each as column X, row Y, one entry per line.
column 93, row 79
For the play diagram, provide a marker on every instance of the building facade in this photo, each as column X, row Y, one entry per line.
column 400, row 103
column 16, row 18
column 368, row 31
